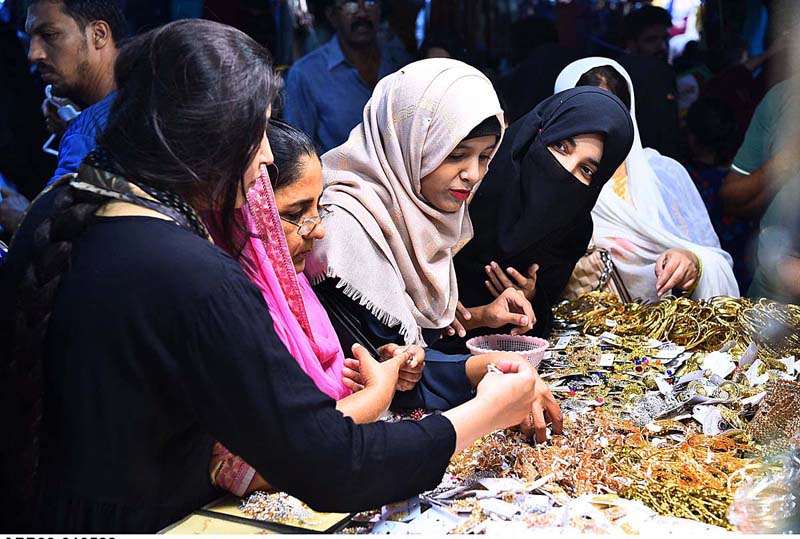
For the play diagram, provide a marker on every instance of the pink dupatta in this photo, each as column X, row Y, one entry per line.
column 300, row 320
column 297, row 315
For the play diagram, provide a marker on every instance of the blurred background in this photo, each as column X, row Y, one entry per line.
column 731, row 49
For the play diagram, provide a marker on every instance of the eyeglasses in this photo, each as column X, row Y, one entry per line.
column 307, row 226
column 351, row 7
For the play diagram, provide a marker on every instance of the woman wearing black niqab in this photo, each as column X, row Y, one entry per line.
column 529, row 209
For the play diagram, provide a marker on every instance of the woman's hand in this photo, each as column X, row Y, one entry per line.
column 510, row 307
column 499, row 280
column 502, row 401
column 372, row 383
column 410, row 371
column 351, row 375
column 510, row 395
column 457, row 327
column 676, row 268
column 544, row 410
column 365, row 372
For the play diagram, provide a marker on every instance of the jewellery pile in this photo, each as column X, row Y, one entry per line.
column 276, row 507
column 659, row 434
column 693, row 324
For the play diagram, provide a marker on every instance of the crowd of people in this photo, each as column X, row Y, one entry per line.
column 228, row 279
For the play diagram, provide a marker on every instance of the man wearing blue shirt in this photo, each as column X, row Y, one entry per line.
column 80, row 136
column 327, row 89
column 74, row 47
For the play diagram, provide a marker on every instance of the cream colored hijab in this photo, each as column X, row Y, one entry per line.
column 390, row 249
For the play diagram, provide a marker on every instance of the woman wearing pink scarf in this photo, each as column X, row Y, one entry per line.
column 283, row 225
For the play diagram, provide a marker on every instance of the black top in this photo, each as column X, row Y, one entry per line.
column 444, row 382
column 530, row 209
column 656, row 102
column 158, row 345
column 532, row 81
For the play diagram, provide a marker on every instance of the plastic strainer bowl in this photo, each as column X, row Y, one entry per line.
column 531, row 348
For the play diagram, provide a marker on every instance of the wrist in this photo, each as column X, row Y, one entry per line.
column 476, row 368
column 476, row 318
column 472, row 420
column 698, row 264
column 367, row 405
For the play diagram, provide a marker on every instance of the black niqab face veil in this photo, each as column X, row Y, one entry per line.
column 530, row 209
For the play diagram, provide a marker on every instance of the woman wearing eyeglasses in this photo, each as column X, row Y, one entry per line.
column 283, row 219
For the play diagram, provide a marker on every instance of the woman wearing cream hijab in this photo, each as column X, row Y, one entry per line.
column 650, row 216
column 399, row 189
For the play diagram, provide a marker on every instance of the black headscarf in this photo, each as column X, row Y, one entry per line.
column 530, row 209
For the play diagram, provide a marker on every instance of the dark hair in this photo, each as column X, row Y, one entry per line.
column 638, row 20
column 712, row 124
column 453, row 43
column 693, row 56
column 530, row 33
column 610, row 78
column 190, row 114
column 489, row 126
column 289, row 146
column 84, row 12
column 194, row 129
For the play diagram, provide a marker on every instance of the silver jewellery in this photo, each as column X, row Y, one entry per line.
column 276, row 507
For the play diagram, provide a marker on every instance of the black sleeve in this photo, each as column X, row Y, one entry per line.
column 444, row 381
column 444, row 384
column 353, row 322
column 256, row 400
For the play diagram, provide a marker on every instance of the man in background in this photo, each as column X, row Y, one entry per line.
column 74, row 45
column 647, row 32
column 766, row 158
column 327, row 89
column 646, row 37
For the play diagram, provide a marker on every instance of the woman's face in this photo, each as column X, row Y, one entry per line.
column 297, row 202
column 580, row 155
column 449, row 186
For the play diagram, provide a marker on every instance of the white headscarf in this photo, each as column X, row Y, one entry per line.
column 388, row 247
column 665, row 212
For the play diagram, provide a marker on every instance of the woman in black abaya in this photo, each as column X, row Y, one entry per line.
column 531, row 214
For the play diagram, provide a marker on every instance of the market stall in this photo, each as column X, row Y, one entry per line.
column 680, row 415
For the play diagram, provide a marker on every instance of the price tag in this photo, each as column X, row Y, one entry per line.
column 562, row 343
column 609, row 337
column 606, row 360
column 670, row 351
column 500, row 508
column 663, row 386
column 749, row 356
column 611, row 323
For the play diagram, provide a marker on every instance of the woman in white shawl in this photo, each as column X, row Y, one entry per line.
column 650, row 216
